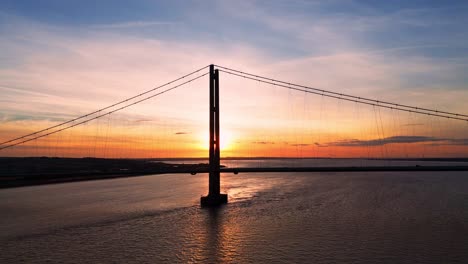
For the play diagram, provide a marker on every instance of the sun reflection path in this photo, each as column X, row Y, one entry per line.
column 242, row 187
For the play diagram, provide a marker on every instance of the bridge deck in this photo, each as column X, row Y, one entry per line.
column 345, row 169
column 19, row 180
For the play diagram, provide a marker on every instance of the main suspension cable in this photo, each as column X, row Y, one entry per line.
column 321, row 91
column 105, row 108
column 101, row 115
column 439, row 114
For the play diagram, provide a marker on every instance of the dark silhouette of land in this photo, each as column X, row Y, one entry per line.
column 16, row 172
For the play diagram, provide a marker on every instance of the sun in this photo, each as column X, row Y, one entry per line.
column 226, row 140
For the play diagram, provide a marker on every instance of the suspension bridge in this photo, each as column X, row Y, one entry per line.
column 26, row 144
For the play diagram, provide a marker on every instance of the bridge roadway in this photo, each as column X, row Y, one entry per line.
column 338, row 169
column 18, row 180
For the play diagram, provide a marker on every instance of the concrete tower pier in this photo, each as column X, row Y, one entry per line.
column 214, row 197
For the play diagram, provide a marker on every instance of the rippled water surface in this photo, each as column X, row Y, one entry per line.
column 271, row 218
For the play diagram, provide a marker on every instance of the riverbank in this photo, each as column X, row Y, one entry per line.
column 17, row 172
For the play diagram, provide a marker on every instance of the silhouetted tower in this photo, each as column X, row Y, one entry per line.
column 214, row 197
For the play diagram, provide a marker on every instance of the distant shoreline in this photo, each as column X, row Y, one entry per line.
column 30, row 171
column 19, row 172
column 303, row 158
column 460, row 159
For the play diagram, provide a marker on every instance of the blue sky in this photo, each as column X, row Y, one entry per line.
column 430, row 28
column 279, row 31
column 62, row 58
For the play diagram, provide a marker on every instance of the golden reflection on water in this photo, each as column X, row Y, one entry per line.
column 216, row 238
column 240, row 187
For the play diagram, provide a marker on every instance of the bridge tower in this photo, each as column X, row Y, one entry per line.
column 214, row 197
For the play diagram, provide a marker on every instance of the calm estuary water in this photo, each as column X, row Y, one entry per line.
column 393, row 217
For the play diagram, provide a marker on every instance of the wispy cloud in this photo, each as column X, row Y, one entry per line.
column 300, row 145
column 459, row 142
column 414, row 124
column 5, row 118
column 263, row 142
column 396, row 140
column 143, row 120
column 134, row 24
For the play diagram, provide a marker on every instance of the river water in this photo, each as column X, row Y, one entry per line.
column 370, row 217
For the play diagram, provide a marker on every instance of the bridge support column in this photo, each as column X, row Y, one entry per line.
column 214, row 197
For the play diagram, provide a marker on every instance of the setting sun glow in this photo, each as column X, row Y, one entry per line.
column 227, row 141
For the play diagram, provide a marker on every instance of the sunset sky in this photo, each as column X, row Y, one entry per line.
column 63, row 59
